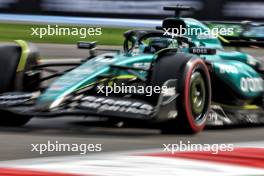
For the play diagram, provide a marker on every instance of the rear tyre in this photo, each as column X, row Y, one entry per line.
column 16, row 63
column 193, row 87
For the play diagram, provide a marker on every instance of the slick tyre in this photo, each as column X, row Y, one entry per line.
column 193, row 87
column 16, row 63
column 16, row 74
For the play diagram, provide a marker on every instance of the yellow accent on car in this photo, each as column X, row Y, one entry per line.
column 102, row 80
column 245, row 107
column 223, row 39
column 24, row 54
column 251, row 107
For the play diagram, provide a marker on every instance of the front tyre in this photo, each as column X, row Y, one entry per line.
column 193, row 89
column 194, row 99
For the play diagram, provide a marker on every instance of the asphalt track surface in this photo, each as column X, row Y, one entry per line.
column 15, row 143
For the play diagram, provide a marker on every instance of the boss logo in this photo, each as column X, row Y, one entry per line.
column 228, row 69
column 202, row 50
column 251, row 84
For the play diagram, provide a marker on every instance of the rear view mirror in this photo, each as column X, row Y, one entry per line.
column 202, row 50
column 86, row 45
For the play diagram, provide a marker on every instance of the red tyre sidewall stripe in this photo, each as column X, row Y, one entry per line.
column 186, row 93
column 27, row 172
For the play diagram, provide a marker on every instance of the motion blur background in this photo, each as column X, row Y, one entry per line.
column 205, row 9
column 17, row 17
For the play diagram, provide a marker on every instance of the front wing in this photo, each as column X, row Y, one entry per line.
column 126, row 108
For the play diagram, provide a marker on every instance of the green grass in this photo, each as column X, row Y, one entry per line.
column 110, row 36
column 10, row 32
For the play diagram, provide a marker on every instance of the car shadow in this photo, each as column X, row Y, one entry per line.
column 80, row 127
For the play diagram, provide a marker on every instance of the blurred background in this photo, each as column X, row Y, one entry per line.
column 17, row 17
column 205, row 9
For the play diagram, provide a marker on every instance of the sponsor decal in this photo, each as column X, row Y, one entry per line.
column 251, row 84
column 102, row 104
column 17, row 98
column 202, row 50
column 227, row 69
column 143, row 65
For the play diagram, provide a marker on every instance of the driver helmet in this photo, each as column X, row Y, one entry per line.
column 159, row 43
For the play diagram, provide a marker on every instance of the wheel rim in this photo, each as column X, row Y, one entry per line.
column 197, row 96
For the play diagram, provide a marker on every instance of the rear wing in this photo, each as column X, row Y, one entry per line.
column 245, row 33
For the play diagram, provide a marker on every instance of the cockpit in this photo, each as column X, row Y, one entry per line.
column 152, row 41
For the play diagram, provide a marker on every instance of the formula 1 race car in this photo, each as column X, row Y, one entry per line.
column 194, row 82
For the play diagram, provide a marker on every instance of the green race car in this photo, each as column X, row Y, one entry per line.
column 182, row 83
